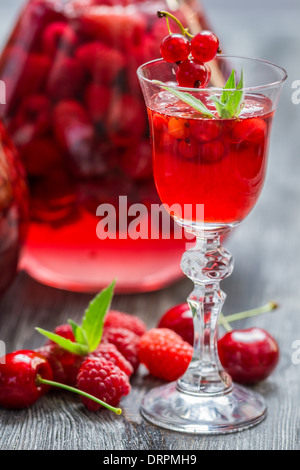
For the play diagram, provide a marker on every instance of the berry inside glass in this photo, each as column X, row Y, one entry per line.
column 209, row 147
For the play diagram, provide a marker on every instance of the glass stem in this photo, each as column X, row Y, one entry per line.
column 206, row 264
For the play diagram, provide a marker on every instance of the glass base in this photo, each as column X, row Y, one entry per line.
column 233, row 411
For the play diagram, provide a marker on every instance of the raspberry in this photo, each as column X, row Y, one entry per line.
column 102, row 62
column 117, row 319
column 56, row 36
column 34, row 74
column 136, row 161
column 65, row 365
column 98, row 101
column 126, row 342
column 120, row 26
column 112, row 354
column 103, row 380
column 66, row 78
column 75, row 133
column 126, row 128
column 33, row 151
column 12, row 61
column 165, row 354
column 48, row 352
column 33, row 114
column 65, row 331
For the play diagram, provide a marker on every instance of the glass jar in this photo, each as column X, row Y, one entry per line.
column 75, row 112
column 13, row 209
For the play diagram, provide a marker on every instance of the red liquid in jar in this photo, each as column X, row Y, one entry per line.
column 13, row 210
column 76, row 113
column 220, row 163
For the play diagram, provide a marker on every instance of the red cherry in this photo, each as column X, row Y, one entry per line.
column 175, row 48
column 18, row 375
column 249, row 356
column 204, row 46
column 192, row 73
column 179, row 319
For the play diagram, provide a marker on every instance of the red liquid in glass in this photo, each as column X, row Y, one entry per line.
column 220, row 163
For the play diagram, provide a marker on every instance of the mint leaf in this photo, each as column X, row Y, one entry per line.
column 93, row 320
column 188, row 99
column 67, row 344
column 88, row 335
column 79, row 333
column 230, row 84
column 230, row 102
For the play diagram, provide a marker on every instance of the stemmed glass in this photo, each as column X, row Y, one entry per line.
column 209, row 172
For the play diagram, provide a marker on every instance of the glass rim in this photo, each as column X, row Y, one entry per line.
column 220, row 89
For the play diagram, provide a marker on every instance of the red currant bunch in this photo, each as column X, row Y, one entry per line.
column 190, row 55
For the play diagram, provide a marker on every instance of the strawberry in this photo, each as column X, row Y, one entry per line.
column 165, row 354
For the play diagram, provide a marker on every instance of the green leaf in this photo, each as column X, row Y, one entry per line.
column 230, row 102
column 67, row 344
column 230, row 84
column 93, row 320
column 79, row 333
column 188, row 99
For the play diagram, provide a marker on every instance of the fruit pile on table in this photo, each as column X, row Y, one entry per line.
column 102, row 355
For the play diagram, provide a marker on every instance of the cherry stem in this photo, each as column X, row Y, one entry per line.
column 225, row 320
column 40, row 380
column 167, row 15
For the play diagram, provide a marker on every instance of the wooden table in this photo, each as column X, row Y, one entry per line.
column 267, row 267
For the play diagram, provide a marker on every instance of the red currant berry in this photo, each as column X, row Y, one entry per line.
column 192, row 74
column 175, row 48
column 249, row 356
column 204, row 46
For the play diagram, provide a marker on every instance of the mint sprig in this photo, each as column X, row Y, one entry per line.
column 230, row 102
column 88, row 334
column 228, row 105
column 188, row 99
